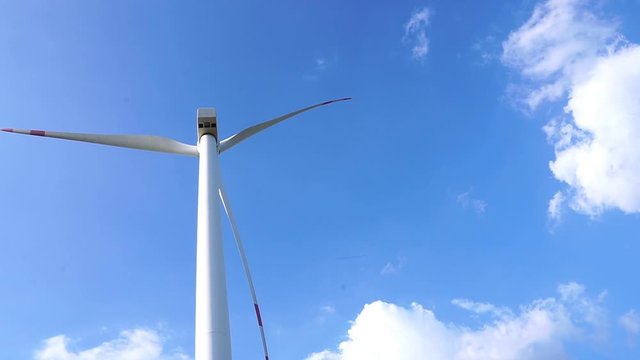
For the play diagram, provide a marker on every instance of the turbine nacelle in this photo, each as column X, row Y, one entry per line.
column 207, row 122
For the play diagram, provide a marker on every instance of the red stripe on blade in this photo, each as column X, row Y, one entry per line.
column 36, row 132
column 7, row 130
column 258, row 314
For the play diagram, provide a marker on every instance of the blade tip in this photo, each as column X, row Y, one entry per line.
column 7, row 130
column 341, row 99
column 335, row 100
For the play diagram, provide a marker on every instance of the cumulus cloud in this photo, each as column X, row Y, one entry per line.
column 603, row 167
column 415, row 33
column 565, row 51
column 138, row 344
column 560, row 39
column 538, row 330
column 324, row 355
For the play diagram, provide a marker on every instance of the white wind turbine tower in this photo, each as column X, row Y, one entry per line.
column 212, row 337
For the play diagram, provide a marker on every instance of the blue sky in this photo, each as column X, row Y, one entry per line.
column 477, row 198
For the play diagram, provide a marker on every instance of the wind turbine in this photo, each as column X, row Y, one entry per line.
column 212, row 334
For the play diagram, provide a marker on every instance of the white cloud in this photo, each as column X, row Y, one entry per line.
column 481, row 308
column 415, row 32
column 630, row 322
column 566, row 51
column 557, row 46
column 138, row 344
column 588, row 310
column 603, row 169
column 560, row 35
column 468, row 202
column 538, row 330
column 555, row 206
column 324, row 355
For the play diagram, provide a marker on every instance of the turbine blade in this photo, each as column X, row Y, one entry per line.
column 245, row 263
column 142, row 142
column 242, row 135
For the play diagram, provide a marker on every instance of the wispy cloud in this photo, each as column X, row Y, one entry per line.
column 481, row 308
column 321, row 64
column 488, row 48
column 328, row 309
column 415, row 33
column 468, row 202
column 555, row 206
column 137, row 344
column 538, row 330
column 324, row 313
column 561, row 39
column 630, row 322
column 565, row 51
column 393, row 267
